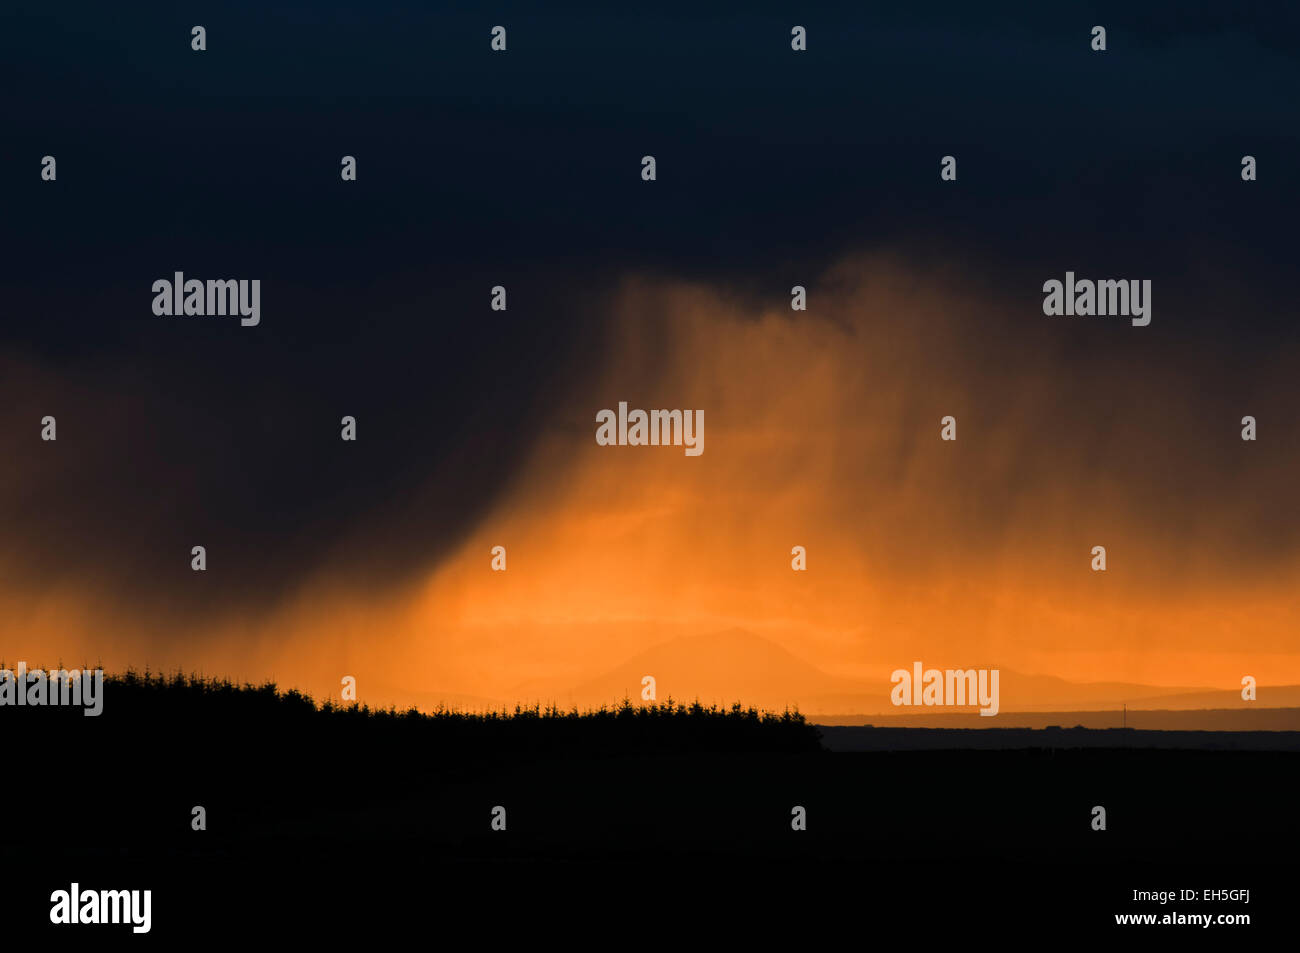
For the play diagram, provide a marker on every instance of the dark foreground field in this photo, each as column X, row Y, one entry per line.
column 324, row 820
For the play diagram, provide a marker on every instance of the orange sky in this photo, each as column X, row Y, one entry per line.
column 821, row 430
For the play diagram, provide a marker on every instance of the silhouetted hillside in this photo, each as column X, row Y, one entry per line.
column 293, row 792
column 1202, row 720
column 869, row 738
column 160, row 705
column 738, row 664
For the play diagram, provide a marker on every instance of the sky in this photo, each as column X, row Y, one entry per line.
column 476, row 427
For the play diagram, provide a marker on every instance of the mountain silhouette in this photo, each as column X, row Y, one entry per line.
column 736, row 665
column 721, row 668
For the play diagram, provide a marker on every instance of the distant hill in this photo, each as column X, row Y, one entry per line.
column 1270, row 696
column 736, row 665
column 725, row 667
column 868, row 738
column 1197, row 719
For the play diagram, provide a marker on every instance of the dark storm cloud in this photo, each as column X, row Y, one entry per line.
column 522, row 170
